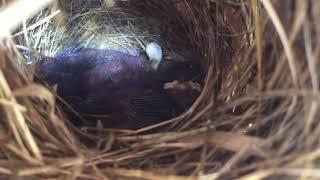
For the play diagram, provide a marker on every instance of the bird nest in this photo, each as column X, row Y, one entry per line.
column 256, row 117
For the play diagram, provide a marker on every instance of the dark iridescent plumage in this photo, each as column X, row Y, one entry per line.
column 110, row 86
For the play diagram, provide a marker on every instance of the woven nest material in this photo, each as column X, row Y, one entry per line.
column 256, row 117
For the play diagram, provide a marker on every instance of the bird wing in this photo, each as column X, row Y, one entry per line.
column 150, row 108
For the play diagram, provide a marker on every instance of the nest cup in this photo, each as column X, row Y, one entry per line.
column 251, row 120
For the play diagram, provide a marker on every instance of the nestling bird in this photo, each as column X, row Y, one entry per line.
column 121, row 90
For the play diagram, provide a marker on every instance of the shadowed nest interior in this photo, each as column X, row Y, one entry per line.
column 256, row 117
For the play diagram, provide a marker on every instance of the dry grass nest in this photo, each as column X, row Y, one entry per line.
column 256, row 117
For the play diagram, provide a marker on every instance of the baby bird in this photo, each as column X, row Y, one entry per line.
column 121, row 90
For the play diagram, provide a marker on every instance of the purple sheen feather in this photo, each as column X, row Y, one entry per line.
column 125, row 71
column 93, row 68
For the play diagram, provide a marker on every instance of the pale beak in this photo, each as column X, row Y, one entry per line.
column 154, row 53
